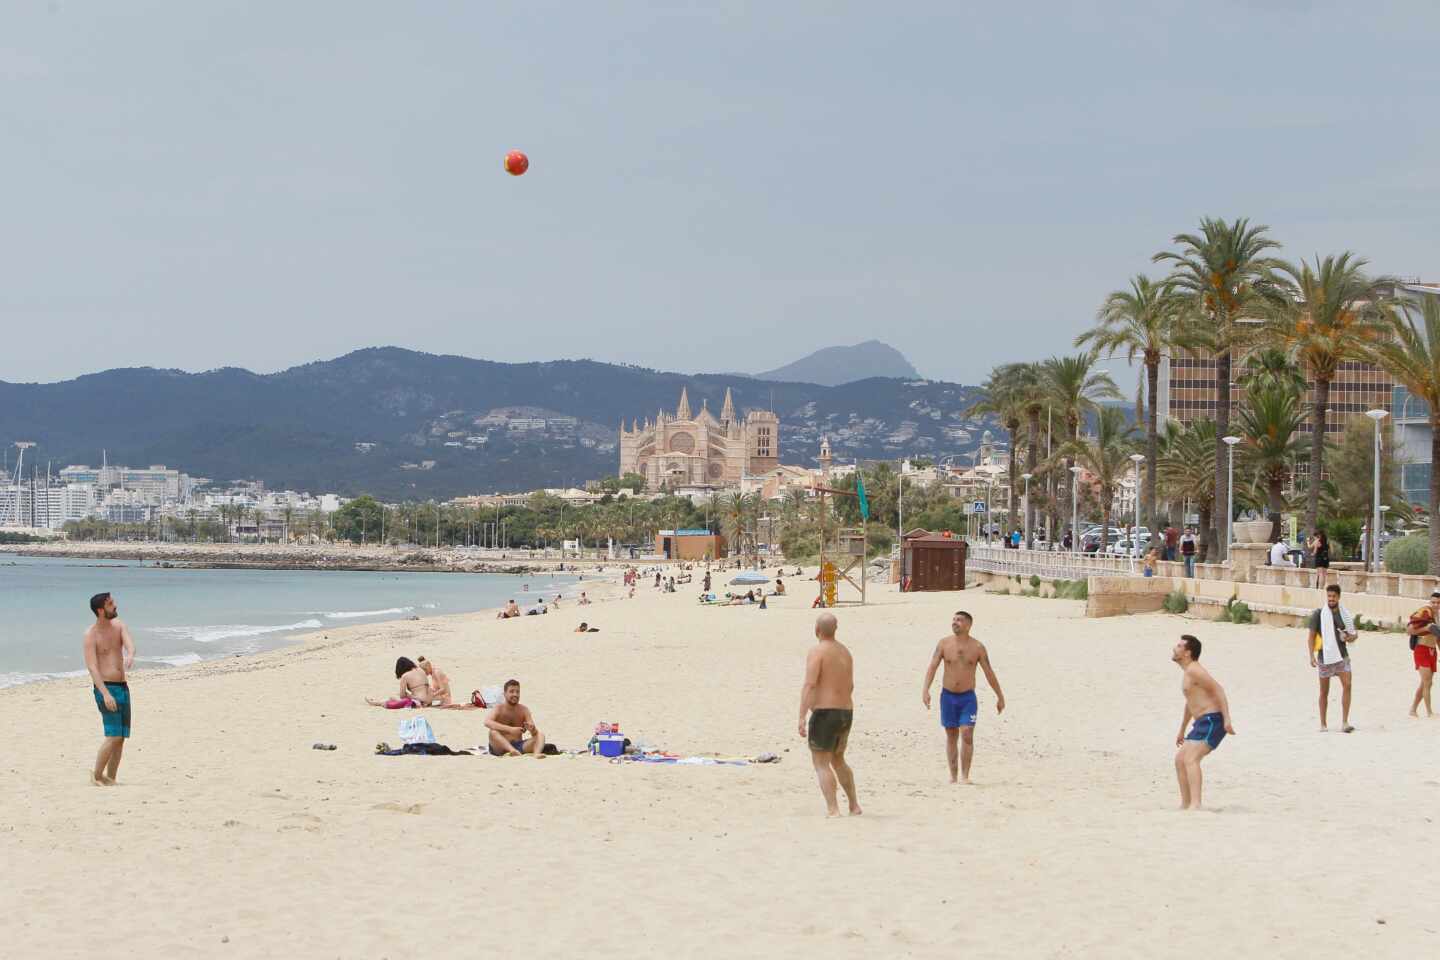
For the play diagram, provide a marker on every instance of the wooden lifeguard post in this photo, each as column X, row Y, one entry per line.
column 837, row 563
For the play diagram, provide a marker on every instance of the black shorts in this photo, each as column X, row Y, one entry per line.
column 828, row 727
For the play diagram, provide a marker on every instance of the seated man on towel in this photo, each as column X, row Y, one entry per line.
column 414, row 687
column 439, row 683
column 1330, row 631
column 509, row 722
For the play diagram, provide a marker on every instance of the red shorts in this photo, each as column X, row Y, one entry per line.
column 1424, row 658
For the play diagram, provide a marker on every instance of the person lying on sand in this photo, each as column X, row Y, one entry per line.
column 414, row 687
column 439, row 683
column 509, row 722
column 586, row 628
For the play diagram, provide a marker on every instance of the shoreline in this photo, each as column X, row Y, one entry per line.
column 250, row 556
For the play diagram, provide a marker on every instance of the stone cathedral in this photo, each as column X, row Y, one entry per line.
column 685, row 449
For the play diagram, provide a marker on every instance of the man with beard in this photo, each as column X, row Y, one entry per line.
column 109, row 652
column 512, row 726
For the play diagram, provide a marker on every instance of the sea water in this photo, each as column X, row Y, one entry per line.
column 179, row 615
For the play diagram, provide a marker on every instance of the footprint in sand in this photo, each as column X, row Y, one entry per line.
column 393, row 807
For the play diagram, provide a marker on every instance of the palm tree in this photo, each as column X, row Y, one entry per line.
column 1187, row 472
column 1073, row 389
column 1269, row 366
column 1140, row 321
column 1005, row 399
column 1411, row 355
column 1106, row 455
column 736, row 520
column 1220, row 276
column 1322, row 315
column 1269, row 423
column 1029, row 387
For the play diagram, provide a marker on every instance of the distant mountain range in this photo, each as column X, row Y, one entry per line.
column 833, row 366
column 403, row 424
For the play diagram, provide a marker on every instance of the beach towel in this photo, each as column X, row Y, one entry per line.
column 416, row 730
column 1332, row 645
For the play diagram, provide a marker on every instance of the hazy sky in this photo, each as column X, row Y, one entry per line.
column 713, row 186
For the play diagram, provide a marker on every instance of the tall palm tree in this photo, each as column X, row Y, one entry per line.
column 1142, row 322
column 1269, row 426
column 1220, row 276
column 1187, row 472
column 1322, row 315
column 1106, row 455
column 1073, row 388
column 1029, row 387
column 1271, row 366
column 1005, row 400
column 1411, row 355
column 736, row 520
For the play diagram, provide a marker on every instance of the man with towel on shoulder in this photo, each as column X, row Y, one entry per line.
column 1330, row 629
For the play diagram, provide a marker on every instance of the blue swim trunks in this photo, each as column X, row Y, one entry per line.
column 117, row 724
column 1210, row 728
column 958, row 709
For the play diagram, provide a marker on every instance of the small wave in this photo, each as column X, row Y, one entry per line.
column 351, row 614
column 16, row 679
column 175, row 659
column 214, row 633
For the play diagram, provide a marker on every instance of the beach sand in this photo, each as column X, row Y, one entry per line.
column 231, row 837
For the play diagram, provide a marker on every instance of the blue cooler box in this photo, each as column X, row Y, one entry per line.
column 609, row 744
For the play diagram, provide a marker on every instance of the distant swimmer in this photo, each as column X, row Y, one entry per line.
column 512, row 726
column 827, row 698
column 109, row 651
column 1206, row 705
column 959, row 707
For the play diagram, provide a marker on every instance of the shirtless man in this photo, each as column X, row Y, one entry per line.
column 109, row 652
column 959, row 707
column 439, row 683
column 826, row 697
column 1423, row 631
column 509, row 722
column 510, row 610
column 1205, row 703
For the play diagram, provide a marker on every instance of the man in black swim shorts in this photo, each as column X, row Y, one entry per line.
column 827, row 698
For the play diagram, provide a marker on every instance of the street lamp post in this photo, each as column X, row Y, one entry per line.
column 1230, row 493
column 1136, row 459
column 1075, row 508
column 1029, row 544
column 1377, row 415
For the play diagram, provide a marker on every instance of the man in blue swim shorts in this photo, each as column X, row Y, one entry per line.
column 109, row 652
column 960, row 652
column 1207, row 706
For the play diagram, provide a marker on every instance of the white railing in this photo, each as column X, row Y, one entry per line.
column 1052, row 565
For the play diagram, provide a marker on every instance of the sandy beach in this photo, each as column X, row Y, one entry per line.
column 230, row 836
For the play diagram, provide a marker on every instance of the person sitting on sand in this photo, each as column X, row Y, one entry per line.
column 439, row 683
column 1205, row 703
column 511, row 610
column 556, row 601
column 509, row 722
column 779, row 587
column 414, row 687
column 584, row 600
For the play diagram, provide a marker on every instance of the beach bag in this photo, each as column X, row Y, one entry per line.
column 416, row 730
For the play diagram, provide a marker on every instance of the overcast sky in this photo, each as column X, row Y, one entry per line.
column 713, row 186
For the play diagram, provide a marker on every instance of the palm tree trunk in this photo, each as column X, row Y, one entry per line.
column 1276, row 495
column 1222, row 429
column 1152, row 444
column 1207, row 533
column 1014, row 472
column 1030, row 456
column 1434, row 492
column 1317, row 450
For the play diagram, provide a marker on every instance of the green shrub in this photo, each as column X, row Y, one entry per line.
column 1035, row 580
column 1176, row 602
column 1410, row 554
column 1240, row 611
column 1072, row 589
column 1344, row 534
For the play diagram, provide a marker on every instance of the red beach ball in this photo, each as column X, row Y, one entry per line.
column 516, row 163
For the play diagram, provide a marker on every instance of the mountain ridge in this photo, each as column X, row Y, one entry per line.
column 304, row 427
column 833, row 366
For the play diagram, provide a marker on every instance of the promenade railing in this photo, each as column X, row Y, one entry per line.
column 1049, row 564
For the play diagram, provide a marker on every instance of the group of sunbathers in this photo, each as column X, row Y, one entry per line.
column 422, row 684
column 511, row 724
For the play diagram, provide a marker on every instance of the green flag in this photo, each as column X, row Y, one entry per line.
column 860, row 492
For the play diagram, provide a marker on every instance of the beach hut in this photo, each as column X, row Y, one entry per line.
column 933, row 561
